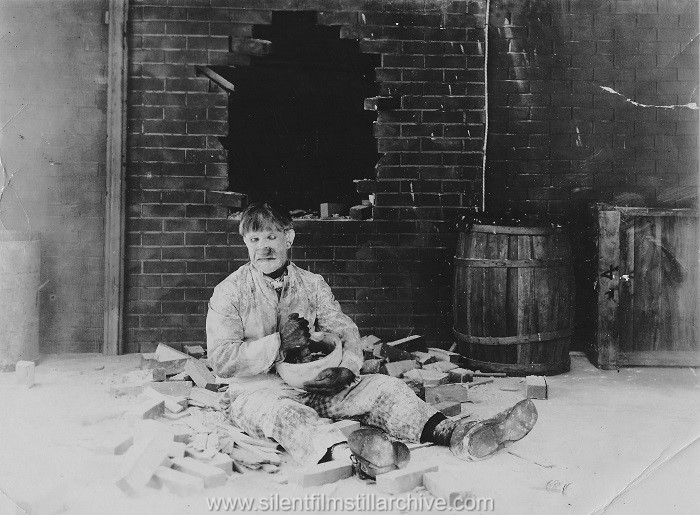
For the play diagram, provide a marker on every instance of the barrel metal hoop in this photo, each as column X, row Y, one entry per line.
column 512, row 263
column 513, row 340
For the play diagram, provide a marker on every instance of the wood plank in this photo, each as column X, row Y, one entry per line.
column 647, row 283
column 669, row 278
column 646, row 211
column 556, row 248
column 115, row 172
column 476, row 301
column 685, row 299
column 659, row 359
column 688, row 295
column 511, row 310
column 506, row 263
column 499, row 293
column 608, row 286
column 460, row 294
column 491, row 315
column 525, row 299
column 542, row 286
column 216, row 78
column 514, row 230
column 627, row 231
column 461, row 287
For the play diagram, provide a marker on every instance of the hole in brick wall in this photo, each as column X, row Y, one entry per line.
column 298, row 131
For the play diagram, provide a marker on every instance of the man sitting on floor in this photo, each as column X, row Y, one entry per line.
column 251, row 326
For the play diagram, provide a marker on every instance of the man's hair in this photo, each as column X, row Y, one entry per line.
column 262, row 216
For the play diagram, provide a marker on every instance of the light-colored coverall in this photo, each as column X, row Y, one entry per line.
column 243, row 344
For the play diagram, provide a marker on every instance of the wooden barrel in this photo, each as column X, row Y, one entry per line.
column 20, row 263
column 513, row 298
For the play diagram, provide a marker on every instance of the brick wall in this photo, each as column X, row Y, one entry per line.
column 557, row 142
column 393, row 274
column 53, row 57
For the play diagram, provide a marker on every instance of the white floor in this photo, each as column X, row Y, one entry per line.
column 626, row 441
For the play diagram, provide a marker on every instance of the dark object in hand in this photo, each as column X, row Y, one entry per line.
column 294, row 333
column 330, row 381
column 311, row 352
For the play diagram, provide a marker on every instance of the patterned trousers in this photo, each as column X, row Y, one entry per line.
column 299, row 421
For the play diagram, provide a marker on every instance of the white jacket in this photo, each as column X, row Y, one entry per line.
column 245, row 316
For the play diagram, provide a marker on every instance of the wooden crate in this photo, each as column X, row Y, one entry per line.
column 648, row 307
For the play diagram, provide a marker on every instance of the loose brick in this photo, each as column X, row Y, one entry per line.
column 441, row 366
column 222, row 461
column 423, row 358
column 361, row 212
column 536, row 387
column 196, row 351
column 149, row 409
column 212, row 476
column 205, row 397
column 24, row 373
column 460, row 375
column 321, row 474
column 141, row 461
column 199, row 373
column 116, row 445
column 398, row 368
column 448, row 408
column 391, row 352
column 177, row 482
column 171, row 403
column 328, row 209
column 170, row 367
column 403, row 480
column 445, row 355
column 429, row 378
column 250, row 46
column 447, row 392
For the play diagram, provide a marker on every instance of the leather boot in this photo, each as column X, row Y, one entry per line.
column 478, row 440
column 375, row 453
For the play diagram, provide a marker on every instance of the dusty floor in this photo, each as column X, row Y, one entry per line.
column 626, row 440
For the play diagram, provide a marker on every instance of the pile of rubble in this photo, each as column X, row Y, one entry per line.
column 182, row 439
column 435, row 375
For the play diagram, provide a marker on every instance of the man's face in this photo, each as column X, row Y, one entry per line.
column 268, row 249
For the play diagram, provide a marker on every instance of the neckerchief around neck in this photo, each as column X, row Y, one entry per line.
column 279, row 272
column 276, row 278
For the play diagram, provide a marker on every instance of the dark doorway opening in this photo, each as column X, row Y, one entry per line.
column 298, row 131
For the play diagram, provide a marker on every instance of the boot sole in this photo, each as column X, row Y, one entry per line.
column 490, row 436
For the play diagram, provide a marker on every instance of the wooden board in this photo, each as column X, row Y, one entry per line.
column 659, row 358
column 653, row 319
column 608, row 294
column 115, row 172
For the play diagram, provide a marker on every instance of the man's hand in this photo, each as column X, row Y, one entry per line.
column 330, row 381
column 294, row 333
